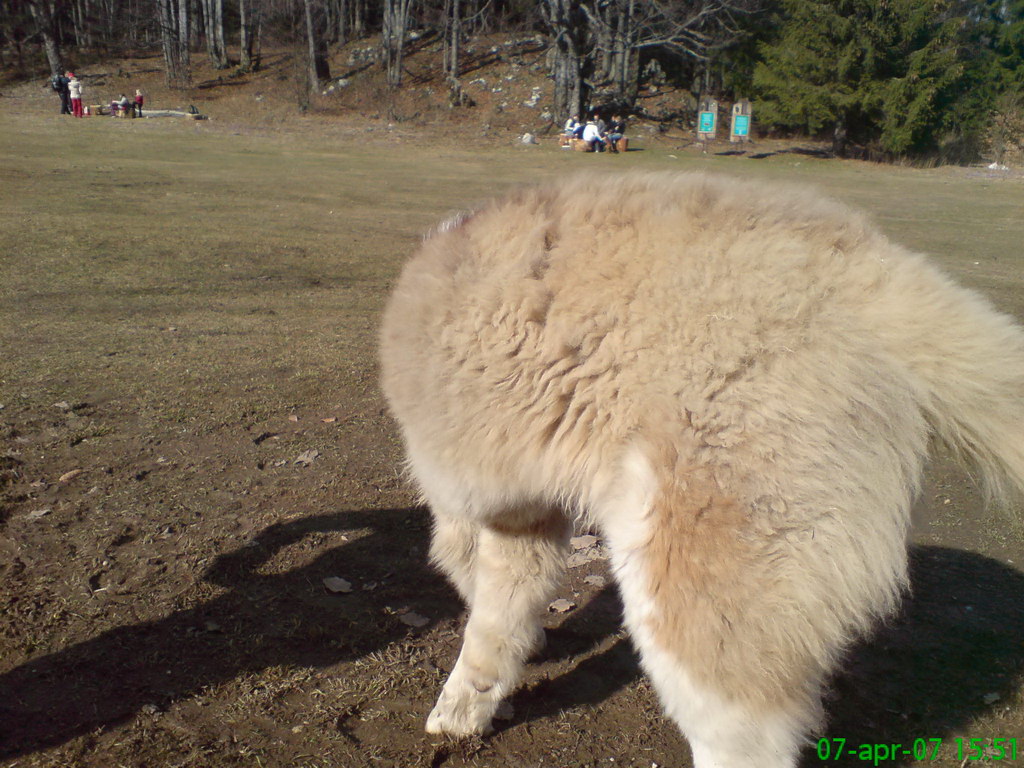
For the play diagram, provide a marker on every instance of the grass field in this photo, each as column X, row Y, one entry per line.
column 185, row 312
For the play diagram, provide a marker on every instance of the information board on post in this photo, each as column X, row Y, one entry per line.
column 707, row 120
column 742, row 119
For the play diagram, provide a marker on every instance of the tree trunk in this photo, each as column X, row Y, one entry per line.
column 183, row 49
column 250, row 17
column 218, row 28
column 244, row 37
column 174, row 34
column 43, row 14
column 213, row 31
column 78, row 20
column 453, row 53
column 319, row 69
column 342, row 21
column 396, row 19
column 567, row 24
column 839, row 134
column 358, row 24
column 628, row 75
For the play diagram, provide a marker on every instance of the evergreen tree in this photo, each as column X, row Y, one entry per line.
column 877, row 72
column 1008, row 48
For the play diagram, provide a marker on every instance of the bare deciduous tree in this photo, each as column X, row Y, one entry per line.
column 395, row 25
column 45, row 14
column 213, row 31
column 319, row 69
column 174, row 32
column 250, row 23
column 618, row 30
column 567, row 24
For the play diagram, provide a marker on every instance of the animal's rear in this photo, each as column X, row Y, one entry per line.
column 737, row 383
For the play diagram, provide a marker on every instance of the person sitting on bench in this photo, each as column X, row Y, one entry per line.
column 120, row 106
column 616, row 130
column 592, row 134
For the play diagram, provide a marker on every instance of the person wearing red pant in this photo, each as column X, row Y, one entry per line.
column 75, row 91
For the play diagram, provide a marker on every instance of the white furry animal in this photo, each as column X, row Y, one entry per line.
column 737, row 383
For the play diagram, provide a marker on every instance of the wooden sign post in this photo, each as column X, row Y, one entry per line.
column 742, row 117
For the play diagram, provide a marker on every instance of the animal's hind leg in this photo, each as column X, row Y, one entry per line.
column 730, row 720
column 515, row 571
column 726, row 641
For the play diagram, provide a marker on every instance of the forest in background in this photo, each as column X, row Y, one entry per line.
column 880, row 78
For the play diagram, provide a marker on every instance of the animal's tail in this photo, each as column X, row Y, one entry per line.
column 966, row 361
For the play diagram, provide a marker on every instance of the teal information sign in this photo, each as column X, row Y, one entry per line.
column 706, row 123
column 741, row 126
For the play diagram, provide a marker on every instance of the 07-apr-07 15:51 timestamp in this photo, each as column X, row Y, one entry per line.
column 992, row 750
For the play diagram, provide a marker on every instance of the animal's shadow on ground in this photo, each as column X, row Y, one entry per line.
column 955, row 652
column 959, row 641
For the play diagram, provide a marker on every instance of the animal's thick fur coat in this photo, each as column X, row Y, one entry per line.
column 737, row 383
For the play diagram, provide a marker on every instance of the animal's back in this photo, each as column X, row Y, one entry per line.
column 555, row 324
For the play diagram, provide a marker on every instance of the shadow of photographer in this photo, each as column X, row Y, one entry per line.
column 262, row 620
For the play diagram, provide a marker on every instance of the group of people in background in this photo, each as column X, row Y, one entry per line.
column 122, row 104
column 596, row 131
column 70, row 88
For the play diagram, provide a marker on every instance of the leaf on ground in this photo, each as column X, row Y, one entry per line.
column 584, row 556
column 337, row 585
column 561, row 605
column 307, row 457
column 413, row 619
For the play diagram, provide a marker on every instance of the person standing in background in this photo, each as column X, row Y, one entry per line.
column 60, row 85
column 139, row 98
column 75, row 91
